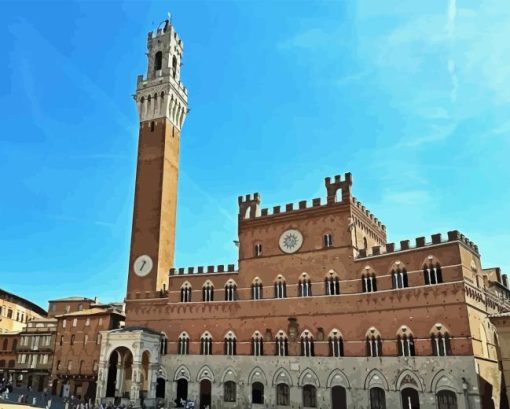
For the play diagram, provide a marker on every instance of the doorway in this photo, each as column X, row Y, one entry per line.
column 410, row 399
column 205, row 393
column 182, row 392
column 338, row 397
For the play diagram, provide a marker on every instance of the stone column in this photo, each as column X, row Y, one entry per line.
column 152, row 377
column 136, row 384
column 102, row 379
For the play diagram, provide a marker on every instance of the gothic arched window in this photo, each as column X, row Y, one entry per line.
column 399, row 277
column 183, row 344
column 282, row 344
column 280, row 288
column 304, row 286
column 336, row 345
column 186, row 292
column 307, row 346
column 405, row 342
column 208, row 292
column 374, row 343
column 230, row 344
column 440, row 340
column 432, row 273
column 256, row 289
column 206, row 344
column 257, row 344
column 230, row 291
column 332, row 283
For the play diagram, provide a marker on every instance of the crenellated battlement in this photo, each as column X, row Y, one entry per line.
column 249, row 205
column 368, row 214
column 419, row 242
column 221, row 268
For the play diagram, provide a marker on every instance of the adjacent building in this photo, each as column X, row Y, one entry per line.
column 322, row 310
column 8, row 345
column 35, row 353
column 77, row 347
column 16, row 311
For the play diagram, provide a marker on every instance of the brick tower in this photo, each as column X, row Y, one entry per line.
column 162, row 105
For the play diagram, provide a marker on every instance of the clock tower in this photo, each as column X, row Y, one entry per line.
column 162, row 102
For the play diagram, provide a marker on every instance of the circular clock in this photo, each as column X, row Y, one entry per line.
column 142, row 265
column 291, row 241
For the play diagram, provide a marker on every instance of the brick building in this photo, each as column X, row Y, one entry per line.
column 322, row 311
column 77, row 343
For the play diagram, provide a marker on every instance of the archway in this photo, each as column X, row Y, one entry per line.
column 205, row 393
column 338, row 397
column 182, row 392
column 410, row 399
column 160, row 388
column 446, row 400
column 120, row 368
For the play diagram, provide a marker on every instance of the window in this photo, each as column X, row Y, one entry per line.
column 258, row 250
column 280, row 288
column 256, row 289
column 100, row 321
column 75, row 321
column 229, row 391
column 257, row 345
column 377, row 398
column 158, row 61
column 206, row 344
column 81, row 366
column 230, row 344
column 72, row 339
column 336, row 345
column 68, row 308
column 85, row 339
column 282, row 394
column 399, row 277
column 163, row 345
column 305, row 286
column 183, row 344
column 432, row 274
column 80, row 307
column 441, row 344
column 208, row 292
column 186, row 292
column 332, row 284
column 94, row 366
column 405, row 345
column 309, row 396
column 282, row 345
column 307, row 348
column 58, row 365
column 61, row 340
column 230, row 291
column 374, row 343
column 64, row 323
column 174, row 66
column 328, row 240
column 9, row 313
column 69, row 365
column 446, row 400
column 369, row 283
column 87, row 322
column 257, row 393
column 5, row 346
column 98, row 339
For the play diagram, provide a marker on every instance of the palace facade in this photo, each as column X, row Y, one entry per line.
column 321, row 310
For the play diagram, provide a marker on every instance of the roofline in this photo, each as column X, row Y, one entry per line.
column 33, row 306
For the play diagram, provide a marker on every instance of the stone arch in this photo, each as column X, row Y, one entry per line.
column 368, row 269
column 338, row 378
column 229, row 374
column 162, row 373
column 397, row 264
column 443, row 381
column 304, row 276
column 257, row 375
column 409, row 379
column 230, row 281
column 375, row 379
column 186, row 284
column 282, row 376
column 439, row 328
column 404, row 330
column 182, row 372
column 308, row 377
column 205, row 373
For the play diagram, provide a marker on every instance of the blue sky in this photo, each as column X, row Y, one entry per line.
column 412, row 98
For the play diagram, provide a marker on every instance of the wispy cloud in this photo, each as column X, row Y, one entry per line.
column 437, row 134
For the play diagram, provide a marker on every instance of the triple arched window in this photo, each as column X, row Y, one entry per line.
column 432, row 273
column 405, row 342
column 186, row 292
column 332, row 283
column 208, row 292
column 257, row 344
column 399, row 277
column 206, row 344
column 230, row 291
column 281, row 344
column 230, row 344
column 307, row 346
column 440, row 340
column 183, row 344
column 280, row 288
column 256, row 289
column 336, row 344
column 304, row 286
column 369, row 282
column 374, row 343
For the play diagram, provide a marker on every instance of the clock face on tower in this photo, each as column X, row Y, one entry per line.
column 291, row 241
column 142, row 265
